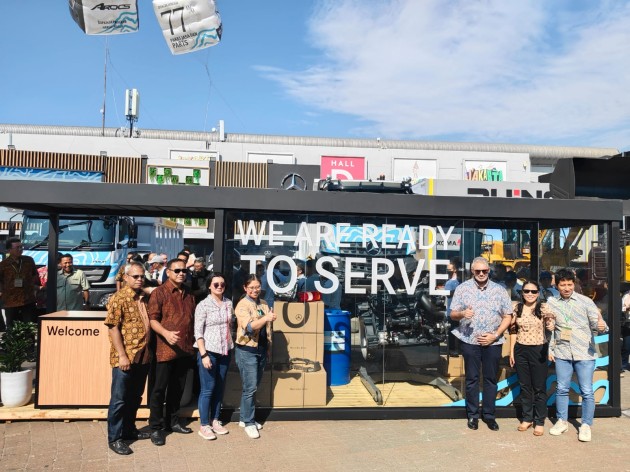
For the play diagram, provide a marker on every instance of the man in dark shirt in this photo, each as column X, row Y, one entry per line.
column 18, row 281
column 199, row 279
column 171, row 311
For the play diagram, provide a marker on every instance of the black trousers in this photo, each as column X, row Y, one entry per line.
column 481, row 359
column 531, row 368
column 21, row 313
column 168, row 385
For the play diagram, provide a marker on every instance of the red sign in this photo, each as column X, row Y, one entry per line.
column 342, row 168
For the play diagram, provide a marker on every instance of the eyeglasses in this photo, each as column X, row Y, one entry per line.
column 481, row 271
column 178, row 271
column 136, row 277
column 253, row 289
column 218, row 285
column 530, row 291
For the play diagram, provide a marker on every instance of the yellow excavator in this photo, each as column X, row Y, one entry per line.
column 513, row 249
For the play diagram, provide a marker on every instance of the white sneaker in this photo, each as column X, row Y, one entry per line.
column 585, row 433
column 252, row 431
column 560, row 427
column 206, row 432
column 258, row 425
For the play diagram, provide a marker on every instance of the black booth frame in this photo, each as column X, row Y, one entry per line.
column 55, row 198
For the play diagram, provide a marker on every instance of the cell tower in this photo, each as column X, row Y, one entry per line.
column 132, row 108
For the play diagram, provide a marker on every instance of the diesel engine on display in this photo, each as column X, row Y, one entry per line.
column 402, row 320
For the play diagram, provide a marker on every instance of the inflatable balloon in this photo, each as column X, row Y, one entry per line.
column 105, row 16
column 188, row 25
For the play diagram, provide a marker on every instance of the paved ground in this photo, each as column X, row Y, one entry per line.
column 401, row 445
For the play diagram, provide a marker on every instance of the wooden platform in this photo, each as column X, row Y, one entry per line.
column 354, row 394
column 395, row 394
column 29, row 413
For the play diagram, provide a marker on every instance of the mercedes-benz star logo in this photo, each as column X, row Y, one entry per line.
column 293, row 182
column 372, row 249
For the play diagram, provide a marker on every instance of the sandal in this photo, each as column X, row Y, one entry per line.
column 524, row 426
column 539, row 430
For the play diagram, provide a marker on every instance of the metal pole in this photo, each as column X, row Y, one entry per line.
column 104, row 88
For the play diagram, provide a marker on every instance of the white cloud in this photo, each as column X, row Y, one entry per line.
column 490, row 70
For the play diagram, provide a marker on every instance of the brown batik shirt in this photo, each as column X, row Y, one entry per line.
column 174, row 309
column 23, row 269
column 128, row 310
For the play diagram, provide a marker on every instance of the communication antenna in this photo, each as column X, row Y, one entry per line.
column 132, row 108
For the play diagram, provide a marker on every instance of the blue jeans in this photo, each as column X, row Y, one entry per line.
column 251, row 366
column 126, row 396
column 212, row 386
column 584, row 371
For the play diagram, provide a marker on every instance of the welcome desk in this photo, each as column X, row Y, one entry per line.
column 73, row 360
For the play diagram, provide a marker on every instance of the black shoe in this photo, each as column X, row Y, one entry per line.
column 119, row 447
column 157, row 438
column 473, row 423
column 137, row 435
column 178, row 428
column 492, row 425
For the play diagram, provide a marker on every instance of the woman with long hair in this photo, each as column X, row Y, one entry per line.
column 253, row 342
column 213, row 339
column 528, row 352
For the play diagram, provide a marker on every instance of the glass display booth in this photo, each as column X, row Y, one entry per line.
column 357, row 281
column 387, row 276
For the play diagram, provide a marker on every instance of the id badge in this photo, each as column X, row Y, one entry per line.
column 18, row 283
column 565, row 334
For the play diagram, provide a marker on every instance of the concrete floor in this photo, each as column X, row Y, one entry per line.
column 400, row 445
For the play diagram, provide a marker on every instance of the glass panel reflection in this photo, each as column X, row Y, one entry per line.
column 365, row 304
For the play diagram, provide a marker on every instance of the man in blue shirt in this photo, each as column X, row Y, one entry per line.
column 484, row 311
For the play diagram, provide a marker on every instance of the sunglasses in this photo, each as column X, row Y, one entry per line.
column 136, row 277
column 481, row 271
column 178, row 271
column 529, row 291
column 218, row 285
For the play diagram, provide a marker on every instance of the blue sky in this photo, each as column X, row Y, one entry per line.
column 530, row 72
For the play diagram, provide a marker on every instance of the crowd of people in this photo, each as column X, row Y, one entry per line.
column 169, row 315
column 542, row 328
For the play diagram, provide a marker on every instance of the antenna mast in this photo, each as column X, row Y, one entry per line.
column 104, row 87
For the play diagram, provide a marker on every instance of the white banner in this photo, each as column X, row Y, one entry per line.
column 188, row 25
column 105, row 16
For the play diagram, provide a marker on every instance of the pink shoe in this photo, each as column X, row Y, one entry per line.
column 206, row 432
column 218, row 428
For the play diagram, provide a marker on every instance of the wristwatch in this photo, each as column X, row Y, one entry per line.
column 204, row 355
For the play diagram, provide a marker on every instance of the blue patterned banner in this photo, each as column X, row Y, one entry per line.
column 23, row 173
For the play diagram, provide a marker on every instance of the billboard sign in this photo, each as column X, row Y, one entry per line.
column 342, row 168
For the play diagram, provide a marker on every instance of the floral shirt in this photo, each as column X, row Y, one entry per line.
column 125, row 310
column 489, row 303
column 18, row 279
column 247, row 311
column 213, row 324
column 529, row 329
